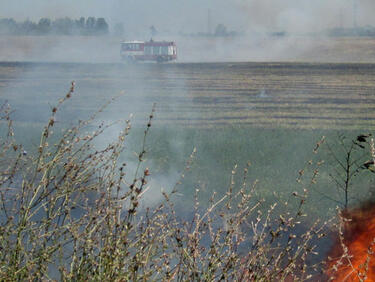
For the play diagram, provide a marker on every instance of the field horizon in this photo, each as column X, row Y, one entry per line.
column 247, row 48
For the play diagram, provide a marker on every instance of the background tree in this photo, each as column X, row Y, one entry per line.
column 28, row 28
column 8, row 26
column 101, row 26
column 90, row 25
column 80, row 25
column 60, row 26
column 44, row 26
column 63, row 26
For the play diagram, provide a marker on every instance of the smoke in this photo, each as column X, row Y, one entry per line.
column 191, row 16
column 33, row 89
column 296, row 16
column 301, row 24
column 172, row 16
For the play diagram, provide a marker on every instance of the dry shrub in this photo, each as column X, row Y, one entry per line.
column 68, row 212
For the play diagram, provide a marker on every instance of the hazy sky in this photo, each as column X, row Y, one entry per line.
column 191, row 15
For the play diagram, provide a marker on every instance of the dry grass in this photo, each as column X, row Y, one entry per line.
column 72, row 212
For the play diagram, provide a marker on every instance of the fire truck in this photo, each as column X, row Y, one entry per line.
column 156, row 51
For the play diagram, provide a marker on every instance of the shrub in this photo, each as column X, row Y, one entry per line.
column 70, row 211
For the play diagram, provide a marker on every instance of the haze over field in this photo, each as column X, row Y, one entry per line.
column 248, row 95
column 191, row 16
column 274, row 97
column 302, row 25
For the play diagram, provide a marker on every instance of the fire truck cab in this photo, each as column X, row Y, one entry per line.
column 158, row 51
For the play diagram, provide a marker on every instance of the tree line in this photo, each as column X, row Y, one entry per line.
column 60, row 26
column 352, row 31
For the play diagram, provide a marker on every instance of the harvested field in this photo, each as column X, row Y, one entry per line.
column 271, row 114
column 270, row 95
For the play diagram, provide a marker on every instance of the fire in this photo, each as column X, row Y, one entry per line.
column 358, row 237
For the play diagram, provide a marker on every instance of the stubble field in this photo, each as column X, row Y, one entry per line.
column 271, row 114
column 264, row 95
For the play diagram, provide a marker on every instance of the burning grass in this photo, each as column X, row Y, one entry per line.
column 352, row 256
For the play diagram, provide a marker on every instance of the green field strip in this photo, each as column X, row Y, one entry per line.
column 273, row 105
column 271, row 115
column 192, row 109
column 276, row 124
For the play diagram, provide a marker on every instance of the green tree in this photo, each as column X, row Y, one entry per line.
column 80, row 25
column 8, row 26
column 101, row 26
column 90, row 25
column 63, row 26
column 28, row 28
column 44, row 26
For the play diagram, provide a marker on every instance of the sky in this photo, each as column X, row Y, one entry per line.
column 192, row 15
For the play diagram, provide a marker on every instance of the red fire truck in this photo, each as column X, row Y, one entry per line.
column 157, row 51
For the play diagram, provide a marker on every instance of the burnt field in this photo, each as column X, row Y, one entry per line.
column 271, row 95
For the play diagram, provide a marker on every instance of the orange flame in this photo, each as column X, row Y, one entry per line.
column 357, row 263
